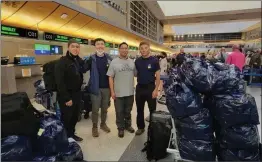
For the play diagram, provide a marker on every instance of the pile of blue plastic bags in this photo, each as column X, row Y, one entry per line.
column 52, row 144
column 209, row 98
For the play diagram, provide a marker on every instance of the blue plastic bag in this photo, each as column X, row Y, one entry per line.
column 235, row 109
column 197, row 74
column 195, row 127
column 196, row 150
column 225, row 78
column 238, row 155
column 240, row 137
column 52, row 137
column 181, row 101
column 73, row 153
column 16, row 148
column 51, row 158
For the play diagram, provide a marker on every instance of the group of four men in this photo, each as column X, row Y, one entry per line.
column 108, row 77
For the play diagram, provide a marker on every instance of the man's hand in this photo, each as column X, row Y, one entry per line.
column 113, row 95
column 69, row 103
column 155, row 94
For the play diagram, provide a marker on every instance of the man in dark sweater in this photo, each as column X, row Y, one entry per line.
column 98, row 85
column 69, row 79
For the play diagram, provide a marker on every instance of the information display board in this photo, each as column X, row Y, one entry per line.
column 109, row 45
column 18, row 32
column 63, row 38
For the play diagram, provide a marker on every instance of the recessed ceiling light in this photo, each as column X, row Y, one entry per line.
column 64, row 16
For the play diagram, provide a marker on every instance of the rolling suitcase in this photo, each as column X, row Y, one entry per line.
column 159, row 131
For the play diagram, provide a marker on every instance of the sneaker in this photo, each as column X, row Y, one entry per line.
column 105, row 128
column 77, row 139
column 95, row 132
column 121, row 133
column 130, row 129
column 140, row 131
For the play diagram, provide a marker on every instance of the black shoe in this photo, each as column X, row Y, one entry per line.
column 121, row 133
column 86, row 116
column 130, row 129
column 77, row 139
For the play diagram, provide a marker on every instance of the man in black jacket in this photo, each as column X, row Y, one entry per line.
column 69, row 79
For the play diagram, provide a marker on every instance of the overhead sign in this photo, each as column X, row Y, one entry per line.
column 133, row 48
column 63, row 38
column 116, row 45
column 18, row 32
column 109, row 45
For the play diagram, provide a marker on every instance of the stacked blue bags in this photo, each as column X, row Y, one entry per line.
column 192, row 120
column 52, row 145
column 232, row 114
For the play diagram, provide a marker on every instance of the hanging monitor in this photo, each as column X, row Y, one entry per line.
column 42, row 49
column 56, row 50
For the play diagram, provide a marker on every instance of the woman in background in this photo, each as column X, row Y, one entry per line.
column 163, row 70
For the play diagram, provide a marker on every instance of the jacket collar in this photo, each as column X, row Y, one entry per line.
column 70, row 56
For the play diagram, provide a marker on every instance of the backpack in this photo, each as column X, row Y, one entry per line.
column 49, row 75
column 158, row 135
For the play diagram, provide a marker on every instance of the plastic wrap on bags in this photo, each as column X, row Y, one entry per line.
column 181, row 101
column 195, row 127
column 231, row 110
column 238, row 155
column 196, row 74
column 73, row 153
column 196, row 150
column 225, row 78
column 240, row 137
column 16, row 148
column 52, row 158
column 52, row 137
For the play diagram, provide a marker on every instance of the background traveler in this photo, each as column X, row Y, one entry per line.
column 69, row 79
column 180, row 58
column 121, row 82
column 163, row 70
column 236, row 58
column 98, row 85
column 148, row 80
column 222, row 56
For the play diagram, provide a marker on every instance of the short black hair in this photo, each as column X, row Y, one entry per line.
column 144, row 43
column 123, row 43
column 99, row 39
column 164, row 53
column 71, row 41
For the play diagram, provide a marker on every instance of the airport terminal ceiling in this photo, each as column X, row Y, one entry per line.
column 178, row 8
column 47, row 16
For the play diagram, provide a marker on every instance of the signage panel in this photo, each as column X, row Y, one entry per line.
column 63, row 38
column 18, row 32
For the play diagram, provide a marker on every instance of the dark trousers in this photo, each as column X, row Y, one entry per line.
column 143, row 95
column 69, row 115
column 123, row 106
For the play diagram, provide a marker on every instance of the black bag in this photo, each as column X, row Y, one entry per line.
column 159, row 131
column 18, row 116
column 87, row 102
column 49, row 75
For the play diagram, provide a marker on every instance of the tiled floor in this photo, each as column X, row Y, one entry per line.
column 108, row 147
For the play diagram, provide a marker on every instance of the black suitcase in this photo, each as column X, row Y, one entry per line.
column 18, row 116
column 159, row 131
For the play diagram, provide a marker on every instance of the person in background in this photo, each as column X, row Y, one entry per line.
column 236, row 58
column 180, row 58
column 148, row 80
column 203, row 56
column 222, row 56
column 121, row 81
column 69, row 79
column 256, row 60
column 163, row 70
column 98, row 85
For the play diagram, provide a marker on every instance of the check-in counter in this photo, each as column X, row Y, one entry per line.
column 20, row 78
